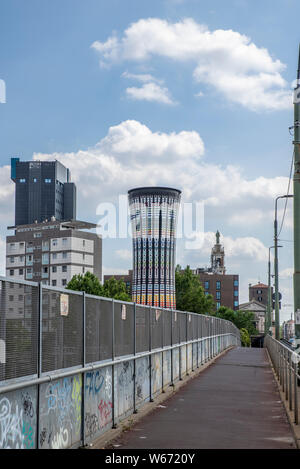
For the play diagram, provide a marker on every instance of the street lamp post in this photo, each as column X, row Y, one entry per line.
column 277, row 325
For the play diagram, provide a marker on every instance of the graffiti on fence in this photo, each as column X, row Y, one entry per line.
column 60, row 412
column 17, row 422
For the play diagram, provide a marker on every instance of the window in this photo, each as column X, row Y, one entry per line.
column 64, row 255
column 22, row 180
column 259, row 292
column 206, row 292
column 37, row 235
column 236, row 293
column 64, row 241
column 259, row 298
column 64, row 268
column 20, row 271
column 54, row 269
column 11, row 272
column 218, row 305
column 11, row 297
column 83, row 242
column 206, row 285
column 218, row 285
column 236, row 283
column 34, row 179
column 54, row 283
column 218, row 295
column 48, row 181
column 54, row 256
column 12, row 260
column 54, row 242
column 45, row 270
column 64, row 282
column 236, row 303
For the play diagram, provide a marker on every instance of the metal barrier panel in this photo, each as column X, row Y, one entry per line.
column 98, row 331
column 167, row 327
column 62, row 330
column 176, row 364
column 167, row 367
column 123, row 328
column 18, row 419
column 156, row 373
column 60, row 413
column 98, row 402
column 142, row 381
column 142, row 328
column 124, row 389
column 175, row 328
column 182, row 327
column 19, row 322
column 156, row 328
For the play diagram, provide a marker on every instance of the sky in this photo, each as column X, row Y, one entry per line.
column 191, row 94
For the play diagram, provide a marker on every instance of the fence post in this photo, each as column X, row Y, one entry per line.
column 134, row 361
column 296, row 393
column 162, row 353
column 180, row 347
column 83, row 365
column 172, row 375
column 39, row 357
column 150, row 356
column 113, row 366
column 186, row 345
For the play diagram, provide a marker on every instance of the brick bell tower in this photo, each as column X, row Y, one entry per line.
column 218, row 257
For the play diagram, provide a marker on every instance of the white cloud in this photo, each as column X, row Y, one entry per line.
column 223, row 59
column 142, row 77
column 150, row 92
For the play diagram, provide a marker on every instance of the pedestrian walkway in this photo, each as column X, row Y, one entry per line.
column 234, row 403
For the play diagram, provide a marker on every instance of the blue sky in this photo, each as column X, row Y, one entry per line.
column 74, row 82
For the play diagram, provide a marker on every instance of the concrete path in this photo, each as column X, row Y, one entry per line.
column 234, row 403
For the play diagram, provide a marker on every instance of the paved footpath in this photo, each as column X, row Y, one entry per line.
column 234, row 403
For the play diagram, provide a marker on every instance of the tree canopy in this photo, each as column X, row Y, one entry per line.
column 242, row 319
column 89, row 283
column 190, row 294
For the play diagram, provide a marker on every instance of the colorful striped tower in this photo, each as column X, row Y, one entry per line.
column 153, row 212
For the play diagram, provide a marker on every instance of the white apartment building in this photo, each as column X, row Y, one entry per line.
column 53, row 252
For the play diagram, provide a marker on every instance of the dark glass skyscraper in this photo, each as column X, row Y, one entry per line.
column 153, row 212
column 43, row 190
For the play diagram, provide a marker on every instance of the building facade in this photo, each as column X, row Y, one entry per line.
column 127, row 279
column 153, row 212
column 43, row 189
column 52, row 252
column 224, row 288
column 259, row 310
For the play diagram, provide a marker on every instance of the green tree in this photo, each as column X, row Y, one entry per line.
column 89, row 283
column 190, row 294
column 116, row 289
column 245, row 338
column 241, row 319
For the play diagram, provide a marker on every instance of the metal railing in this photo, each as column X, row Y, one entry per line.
column 54, row 340
column 285, row 363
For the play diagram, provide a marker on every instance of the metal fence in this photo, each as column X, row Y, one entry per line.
column 285, row 363
column 73, row 365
